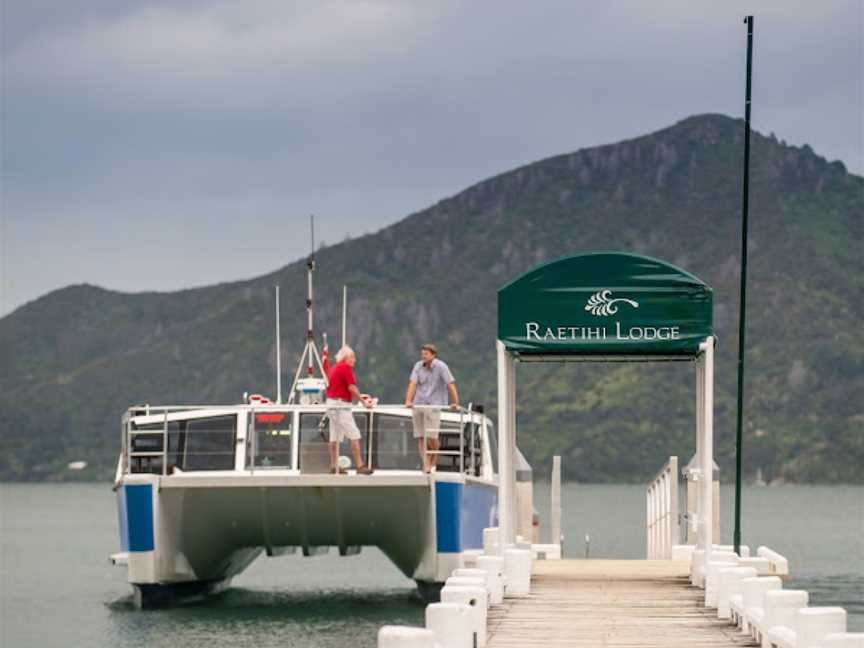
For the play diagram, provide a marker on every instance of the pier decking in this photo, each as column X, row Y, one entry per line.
column 610, row 603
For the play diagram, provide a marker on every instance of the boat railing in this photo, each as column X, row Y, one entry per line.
column 163, row 445
column 661, row 501
column 447, row 430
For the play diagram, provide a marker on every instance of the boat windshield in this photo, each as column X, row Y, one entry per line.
column 273, row 440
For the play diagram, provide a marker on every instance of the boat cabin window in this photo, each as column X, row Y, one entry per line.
column 193, row 444
column 314, row 438
column 210, row 443
column 394, row 446
column 272, row 445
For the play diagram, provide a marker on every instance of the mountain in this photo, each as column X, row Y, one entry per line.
column 73, row 360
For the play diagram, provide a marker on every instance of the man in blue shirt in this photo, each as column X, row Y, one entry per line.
column 428, row 388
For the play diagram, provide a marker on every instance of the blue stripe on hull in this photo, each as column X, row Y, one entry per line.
column 122, row 519
column 462, row 511
column 448, row 497
column 139, row 514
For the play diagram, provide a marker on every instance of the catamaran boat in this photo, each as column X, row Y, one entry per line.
column 204, row 490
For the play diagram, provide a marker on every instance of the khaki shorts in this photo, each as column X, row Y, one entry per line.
column 342, row 424
column 426, row 422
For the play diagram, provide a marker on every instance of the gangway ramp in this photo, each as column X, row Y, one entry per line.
column 610, row 603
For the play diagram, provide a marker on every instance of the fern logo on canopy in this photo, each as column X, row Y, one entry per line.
column 601, row 304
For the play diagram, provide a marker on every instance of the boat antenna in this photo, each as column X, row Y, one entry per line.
column 278, row 352
column 310, row 268
column 344, row 315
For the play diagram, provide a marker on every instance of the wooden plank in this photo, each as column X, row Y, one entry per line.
column 610, row 604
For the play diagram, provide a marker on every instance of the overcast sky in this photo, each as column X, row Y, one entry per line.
column 159, row 144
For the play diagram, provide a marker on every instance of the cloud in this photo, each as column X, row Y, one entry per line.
column 131, row 116
column 172, row 56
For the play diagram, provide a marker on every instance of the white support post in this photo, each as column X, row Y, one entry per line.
column 649, row 527
column 700, row 407
column 506, row 448
column 696, row 501
column 674, row 526
column 706, row 513
column 555, row 509
column 510, row 532
column 661, row 523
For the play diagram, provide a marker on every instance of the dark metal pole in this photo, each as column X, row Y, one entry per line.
column 742, row 312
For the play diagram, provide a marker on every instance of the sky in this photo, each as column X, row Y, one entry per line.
column 158, row 145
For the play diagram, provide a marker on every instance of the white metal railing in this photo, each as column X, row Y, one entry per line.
column 453, row 421
column 466, row 460
column 465, row 416
column 661, row 501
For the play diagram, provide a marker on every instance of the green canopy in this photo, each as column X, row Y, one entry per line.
column 607, row 304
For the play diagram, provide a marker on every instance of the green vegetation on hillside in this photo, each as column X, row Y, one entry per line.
column 73, row 360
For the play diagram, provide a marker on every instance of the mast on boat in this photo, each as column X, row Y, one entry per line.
column 311, row 388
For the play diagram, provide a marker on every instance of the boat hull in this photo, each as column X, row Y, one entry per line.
column 190, row 530
column 155, row 596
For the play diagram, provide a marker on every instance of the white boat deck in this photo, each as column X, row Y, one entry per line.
column 288, row 478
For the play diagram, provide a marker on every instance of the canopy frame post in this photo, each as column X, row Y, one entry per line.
column 706, row 418
column 506, row 447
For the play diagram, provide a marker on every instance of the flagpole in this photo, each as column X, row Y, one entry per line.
column 739, row 428
column 344, row 315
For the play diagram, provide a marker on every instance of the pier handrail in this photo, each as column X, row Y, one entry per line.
column 661, row 501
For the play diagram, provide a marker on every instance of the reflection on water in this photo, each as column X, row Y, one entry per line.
column 266, row 618
column 59, row 590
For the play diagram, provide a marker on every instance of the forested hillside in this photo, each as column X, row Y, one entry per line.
column 73, row 360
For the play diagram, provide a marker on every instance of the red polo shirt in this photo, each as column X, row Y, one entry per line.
column 341, row 376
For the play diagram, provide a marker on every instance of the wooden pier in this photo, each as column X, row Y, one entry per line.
column 610, row 603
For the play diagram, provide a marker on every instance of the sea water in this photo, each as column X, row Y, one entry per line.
column 58, row 588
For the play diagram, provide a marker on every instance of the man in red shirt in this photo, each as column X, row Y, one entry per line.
column 342, row 391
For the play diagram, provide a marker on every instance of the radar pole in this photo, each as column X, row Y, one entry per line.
column 310, row 356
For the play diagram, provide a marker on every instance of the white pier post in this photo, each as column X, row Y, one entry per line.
column 506, row 447
column 405, row 637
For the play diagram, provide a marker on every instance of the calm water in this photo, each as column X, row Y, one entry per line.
column 59, row 590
